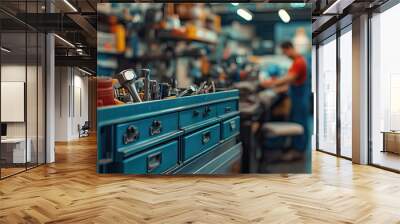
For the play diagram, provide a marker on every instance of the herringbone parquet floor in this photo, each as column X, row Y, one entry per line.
column 70, row 191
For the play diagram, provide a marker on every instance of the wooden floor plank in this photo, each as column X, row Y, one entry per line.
column 70, row 191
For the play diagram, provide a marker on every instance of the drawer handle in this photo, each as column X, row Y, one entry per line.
column 206, row 137
column 156, row 127
column 232, row 125
column 207, row 111
column 196, row 113
column 154, row 161
column 228, row 109
column 131, row 135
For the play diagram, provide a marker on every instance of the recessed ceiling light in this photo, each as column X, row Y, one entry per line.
column 245, row 14
column 285, row 17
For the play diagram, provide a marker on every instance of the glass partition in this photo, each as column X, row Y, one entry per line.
column 14, row 151
column 385, row 89
column 22, row 88
column 41, row 97
column 327, row 96
column 346, row 93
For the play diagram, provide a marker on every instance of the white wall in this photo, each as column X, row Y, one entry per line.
column 80, row 103
column 71, row 93
column 62, row 82
column 16, row 73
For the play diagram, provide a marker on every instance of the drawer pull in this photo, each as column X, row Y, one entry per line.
column 153, row 161
column 206, row 137
column 131, row 135
column 156, row 127
column 228, row 109
column 207, row 111
column 232, row 125
column 196, row 113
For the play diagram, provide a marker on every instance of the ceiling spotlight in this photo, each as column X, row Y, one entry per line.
column 285, row 17
column 245, row 14
column 79, row 51
column 78, row 44
column 235, row 4
column 5, row 50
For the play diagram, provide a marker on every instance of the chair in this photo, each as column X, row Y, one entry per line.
column 277, row 135
column 84, row 129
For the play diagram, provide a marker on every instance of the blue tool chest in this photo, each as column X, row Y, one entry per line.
column 186, row 135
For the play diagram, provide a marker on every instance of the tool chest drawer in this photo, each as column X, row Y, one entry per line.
column 200, row 141
column 227, row 107
column 230, row 127
column 157, row 160
column 131, row 133
column 164, row 136
column 197, row 115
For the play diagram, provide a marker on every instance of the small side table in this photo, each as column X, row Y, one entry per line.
column 391, row 141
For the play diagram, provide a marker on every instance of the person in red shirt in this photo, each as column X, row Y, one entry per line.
column 299, row 93
column 297, row 73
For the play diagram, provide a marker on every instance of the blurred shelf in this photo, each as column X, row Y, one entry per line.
column 169, row 36
column 131, row 62
column 162, row 57
column 101, row 51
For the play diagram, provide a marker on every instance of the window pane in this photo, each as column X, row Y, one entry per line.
column 346, row 94
column 385, row 85
column 327, row 97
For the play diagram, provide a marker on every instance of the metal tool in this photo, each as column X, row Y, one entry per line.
column 154, row 90
column 128, row 79
column 164, row 90
column 174, row 88
column 147, row 83
column 201, row 87
column 206, row 87
column 187, row 92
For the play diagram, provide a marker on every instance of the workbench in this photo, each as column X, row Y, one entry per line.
column 186, row 135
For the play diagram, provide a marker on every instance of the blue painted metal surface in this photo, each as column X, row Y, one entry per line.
column 197, row 115
column 230, row 127
column 170, row 131
column 156, row 160
column 227, row 107
column 147, row 129
column 200, row 141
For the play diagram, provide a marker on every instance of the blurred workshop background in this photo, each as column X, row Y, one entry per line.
column 244, row 46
